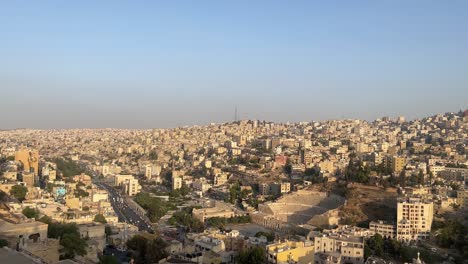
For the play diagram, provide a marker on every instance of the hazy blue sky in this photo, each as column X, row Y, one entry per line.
column 169, row 63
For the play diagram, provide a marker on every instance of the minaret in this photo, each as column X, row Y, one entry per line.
column 235, row 114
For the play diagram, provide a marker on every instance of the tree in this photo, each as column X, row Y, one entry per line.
column 108, row 260
column 81, row 193
column 68, row 167
column 100, row 219
column 147, row 250
column 376, row 245
column 45, row 219
column 30, row 212
column 19, row 192
column 402, row 178
column 184, row 218
column 270, row 236
column 72, row 245
column 421, row 177
column 155, row 207
column 3, row 243
column 70, row 239
column 255, row 255
column 234, row 193
column 2, row 195
column 108, row 230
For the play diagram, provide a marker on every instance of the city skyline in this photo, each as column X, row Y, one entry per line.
column 166, row 64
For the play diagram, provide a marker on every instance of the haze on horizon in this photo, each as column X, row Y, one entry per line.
column 142, row 64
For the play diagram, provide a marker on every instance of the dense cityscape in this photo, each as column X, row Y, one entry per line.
column 248, row 191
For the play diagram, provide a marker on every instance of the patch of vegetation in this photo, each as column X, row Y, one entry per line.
column 270, row 236
column 3, row 243
column 221, row 222
column 451, row 234
column 184, row 218
column 391, row 249
column 45, row 219
column 80, row 193
column 255, row 255
column 68, row 167
column 70, row 239
column 19, row 192
column 146, row 250
column 99, row 218
column 2, row 195
column 155, row 207
column 30, row 212
column 108, row 260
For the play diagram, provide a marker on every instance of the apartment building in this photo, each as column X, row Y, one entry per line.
column 383, row 228
column 290, row 252
column 397, row 164
column 29, row 159
column 131, row 186
column 220, row 179
column 177, row 182
column 462, row 198
column 414, row 218
column 345, row 247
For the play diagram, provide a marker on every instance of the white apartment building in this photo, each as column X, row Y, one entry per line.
column 131, row 187
column 148, row 171
column 129, row 183
column 177, row 182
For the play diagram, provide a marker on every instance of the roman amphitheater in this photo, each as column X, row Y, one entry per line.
column 300, row 207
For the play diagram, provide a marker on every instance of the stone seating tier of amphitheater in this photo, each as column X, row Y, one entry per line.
column 301, row 206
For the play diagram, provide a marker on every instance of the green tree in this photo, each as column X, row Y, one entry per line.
column 19, row 192
column 68, row 167
column 108, row 230
column 255, row 255
column 155, row 207
column 421, row 177
column 100, row 219
column 234, row 193
column 70, row 239
column 30, row 212
column 184, row 218
column 72, row 245
column 108, row 260
column 45, row 219
column 270, row 236
column 402, row 178
column 2, row 195
column 147, row 250
column 3, row 243
column 376, row 245
column 81, row 193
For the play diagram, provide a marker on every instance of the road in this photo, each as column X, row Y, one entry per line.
column 124, row 212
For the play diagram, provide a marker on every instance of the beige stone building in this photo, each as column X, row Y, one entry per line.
column 414, row 218
column 397, row 164
column 177, row 182
column 346, row 248
column 29, row 158
column 383, row 228
column 462, row 198
column 290, row 252
column 29, row 179
column 131, row 187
